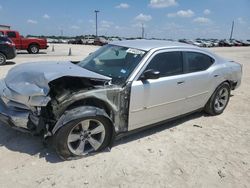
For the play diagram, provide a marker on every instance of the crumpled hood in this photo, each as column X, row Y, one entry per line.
column 32, row 79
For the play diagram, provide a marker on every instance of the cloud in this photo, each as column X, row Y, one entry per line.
column 182, row 13
column 30, row 21
column 202, row 20
column 117, row 27
column 206, row 11
column 123, row 5
column 139, row 25
column 143, row 18
column 162, row 3
column 46, row 16
column 74, row 27
column 106, row 24
column 241, row 20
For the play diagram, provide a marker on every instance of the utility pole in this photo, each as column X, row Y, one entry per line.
column 96, row 12
column 142, row 31
column 232, row 30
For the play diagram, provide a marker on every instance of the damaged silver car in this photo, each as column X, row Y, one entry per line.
column 123, row 86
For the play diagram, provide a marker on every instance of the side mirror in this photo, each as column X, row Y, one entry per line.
column 150, row 74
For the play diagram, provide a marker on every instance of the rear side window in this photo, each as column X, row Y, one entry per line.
column 11, row 34
column 168, row 63
column 198, row 61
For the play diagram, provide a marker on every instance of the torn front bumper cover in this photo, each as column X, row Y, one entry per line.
column 12, row 116
column 12, row 113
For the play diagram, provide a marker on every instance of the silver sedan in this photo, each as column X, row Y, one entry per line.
column 123, row 86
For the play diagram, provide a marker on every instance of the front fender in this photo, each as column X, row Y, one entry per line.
column 80, row 112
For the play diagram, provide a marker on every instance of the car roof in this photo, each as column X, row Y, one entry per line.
column 147, row 45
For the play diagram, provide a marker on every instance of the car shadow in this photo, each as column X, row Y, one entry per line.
column 158, row 128
column 9, row 63
column 21, row 142
column 34, row 146
column 31, row 54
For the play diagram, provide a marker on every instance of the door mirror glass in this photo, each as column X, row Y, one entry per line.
column 150, row 74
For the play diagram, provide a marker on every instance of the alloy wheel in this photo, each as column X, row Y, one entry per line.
column 87, row 136
column 221, row 99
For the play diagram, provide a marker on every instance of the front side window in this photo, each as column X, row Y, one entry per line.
column 197, row 61
column 113, row 61
column 167, row 63
column 11, row 34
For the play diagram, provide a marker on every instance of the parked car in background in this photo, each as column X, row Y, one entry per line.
column 225, row 43
column 32, row 45
column 244, row 42
column 100, row 41
column 7, row 49
column 123, row 86
column 235, row 42
column 90, row 40
column 197, row 43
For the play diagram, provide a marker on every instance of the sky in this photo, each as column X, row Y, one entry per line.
column 161, row 18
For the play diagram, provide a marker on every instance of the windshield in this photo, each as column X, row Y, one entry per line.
column 113, row 61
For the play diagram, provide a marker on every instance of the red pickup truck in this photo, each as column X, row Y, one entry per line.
column 32, row 45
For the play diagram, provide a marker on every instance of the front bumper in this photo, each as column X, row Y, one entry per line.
column 12, row 113
column 12, row 116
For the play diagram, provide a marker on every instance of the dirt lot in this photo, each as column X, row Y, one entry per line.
column 196, row 151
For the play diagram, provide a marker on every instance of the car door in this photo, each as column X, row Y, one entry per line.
column 12, row 35
column 154, row 100
column 199, row 78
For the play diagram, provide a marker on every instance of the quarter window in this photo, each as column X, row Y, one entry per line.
column 168, row 63
column 11, row 34
column 198, row 61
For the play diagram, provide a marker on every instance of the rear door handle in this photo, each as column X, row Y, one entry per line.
column 180, row 82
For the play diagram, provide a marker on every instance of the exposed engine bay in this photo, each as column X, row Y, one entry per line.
column 47, row 97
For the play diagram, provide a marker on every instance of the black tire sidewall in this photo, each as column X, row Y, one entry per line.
column 222, row 86
column 31, row 46
column 61, row 136
column 4, row 57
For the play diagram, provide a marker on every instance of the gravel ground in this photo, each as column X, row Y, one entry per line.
column 195, row 151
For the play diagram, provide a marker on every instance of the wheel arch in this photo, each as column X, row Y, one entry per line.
column 214, row 89
column 3, row 54
column 83, row 108
column 34, row 43
column 92, row 101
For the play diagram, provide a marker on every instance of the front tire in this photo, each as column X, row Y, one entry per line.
column 33, row 49
column 82, row 136
column 2, row 59
column 219, row 100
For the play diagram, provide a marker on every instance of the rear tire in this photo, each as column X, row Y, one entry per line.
column 219, row 100
column 82, row 136
column 2, row 59
column 33, row 49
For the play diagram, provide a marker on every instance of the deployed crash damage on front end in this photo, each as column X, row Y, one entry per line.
column 34, row 96
column 83, row 106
